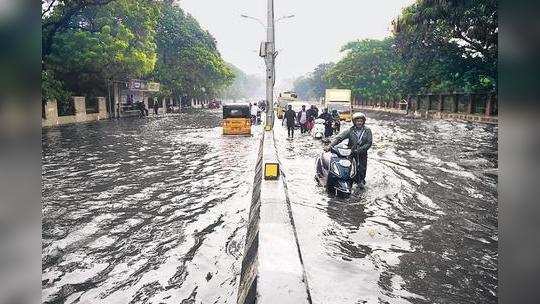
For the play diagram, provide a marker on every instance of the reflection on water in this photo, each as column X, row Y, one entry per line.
column 150, row 210
column 423, row 231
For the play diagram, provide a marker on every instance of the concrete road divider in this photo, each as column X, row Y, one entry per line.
column 272, row 269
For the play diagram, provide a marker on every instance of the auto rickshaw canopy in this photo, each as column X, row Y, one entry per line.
column 236, row 111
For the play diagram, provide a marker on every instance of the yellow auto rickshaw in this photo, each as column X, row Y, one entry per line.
column 236, row 119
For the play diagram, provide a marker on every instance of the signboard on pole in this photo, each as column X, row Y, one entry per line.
column 141, row 85
column 153, row 87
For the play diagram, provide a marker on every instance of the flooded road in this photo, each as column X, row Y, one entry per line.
column 423, row 231
column 155, row 211
column 144, row 210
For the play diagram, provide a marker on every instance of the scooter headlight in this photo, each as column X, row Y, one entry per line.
column 334, row 169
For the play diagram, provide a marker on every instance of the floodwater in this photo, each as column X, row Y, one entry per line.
column 154, row 211
column 423, row 231
column 145, row 210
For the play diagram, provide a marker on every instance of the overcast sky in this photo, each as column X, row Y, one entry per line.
column 315, row 35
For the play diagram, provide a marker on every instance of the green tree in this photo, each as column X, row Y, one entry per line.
column 318, row 79
column 189, row 63
column 303, row 86
column 313, row 85
column 449, row 44
column 436, row 46
column 371, row 69
column 87, row 43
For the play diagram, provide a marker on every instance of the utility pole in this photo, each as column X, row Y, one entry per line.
column 270, row 71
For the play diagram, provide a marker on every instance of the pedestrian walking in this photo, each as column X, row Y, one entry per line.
column 254, row 110
column 143, row 111
column 360, row 140
column 262, row 105
column 156, row 106
column 302, row 119
column 312, row 115
column 289, row 118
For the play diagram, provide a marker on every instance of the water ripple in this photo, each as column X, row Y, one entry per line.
column 144, row 210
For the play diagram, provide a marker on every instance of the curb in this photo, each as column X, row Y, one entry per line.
column 272, row 269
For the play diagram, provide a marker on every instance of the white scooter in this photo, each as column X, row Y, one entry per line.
column 318, row 129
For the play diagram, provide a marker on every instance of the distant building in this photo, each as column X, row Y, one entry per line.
column 128, row 94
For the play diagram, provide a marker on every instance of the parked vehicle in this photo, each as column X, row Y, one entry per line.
column 336, row 171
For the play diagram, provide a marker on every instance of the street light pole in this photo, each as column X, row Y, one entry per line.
column 269, row 57
column 270, row 60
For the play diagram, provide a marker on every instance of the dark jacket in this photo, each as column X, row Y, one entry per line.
column 327, row 118
column 352, row 135
column 289, row 117
column 311, row 114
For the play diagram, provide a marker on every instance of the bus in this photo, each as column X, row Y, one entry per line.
column 283, row 99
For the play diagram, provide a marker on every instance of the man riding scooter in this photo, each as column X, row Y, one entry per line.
column 336, row 124
column 328, row 131
column 360, row 140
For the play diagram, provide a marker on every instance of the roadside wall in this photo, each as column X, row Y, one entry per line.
column 481, row 107
column 434, row 114
column 52, row 118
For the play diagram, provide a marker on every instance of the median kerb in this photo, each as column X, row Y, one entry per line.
column 280, row 278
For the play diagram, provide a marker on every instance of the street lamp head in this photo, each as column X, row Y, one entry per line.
column 256, row 19
column 284, row 17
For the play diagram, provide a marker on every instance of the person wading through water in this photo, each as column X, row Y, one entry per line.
column 303, row 119
column 289, row 118
column 360, row 140
column 311, row 116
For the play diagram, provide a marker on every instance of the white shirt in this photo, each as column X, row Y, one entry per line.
column 303, row 117
column 254, row 110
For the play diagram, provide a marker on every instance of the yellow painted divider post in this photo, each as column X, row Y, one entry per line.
column 271, row 171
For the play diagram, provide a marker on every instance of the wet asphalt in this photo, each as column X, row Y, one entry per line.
column 424, row 230
column 145, row 210
column 154, row 211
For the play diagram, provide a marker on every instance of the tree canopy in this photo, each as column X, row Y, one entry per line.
column 435, row 46
column 370, row 68
column 89, row 42
column 313, row 85
column 449, row 44
column 188, row 60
